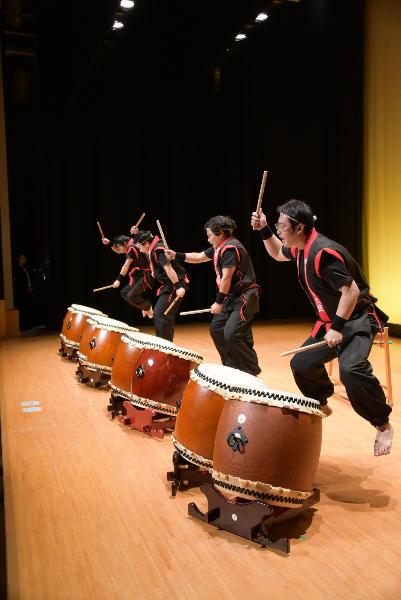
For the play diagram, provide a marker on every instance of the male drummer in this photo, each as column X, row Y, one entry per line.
column 347, row 317
column 137, row 267
column 237, row 298
column 173, row 279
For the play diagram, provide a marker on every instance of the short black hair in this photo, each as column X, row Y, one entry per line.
column 120, row 240
column 143, row 236
column 221, row 223
column 298, row 212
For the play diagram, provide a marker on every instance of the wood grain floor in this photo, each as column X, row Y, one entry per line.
column 89, row 514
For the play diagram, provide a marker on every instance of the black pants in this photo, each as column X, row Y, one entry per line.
column 363, row 388
column 134, row 294
column 233, row 339
column 164, row 324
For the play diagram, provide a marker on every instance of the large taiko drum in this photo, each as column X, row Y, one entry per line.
column 99, row 341
column 202, row 404
column 267, row 446
column 124, row 362
column 73, row 325
column 160, row 373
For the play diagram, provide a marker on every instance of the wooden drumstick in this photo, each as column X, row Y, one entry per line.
column 171, row 305
column 261, row 191
column 141, row 218
column 162, row 236
column 105, row 287
column 195, row 312
column 100, row 229
column 304, row 348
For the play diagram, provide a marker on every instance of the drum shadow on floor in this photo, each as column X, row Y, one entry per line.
column 344, row 483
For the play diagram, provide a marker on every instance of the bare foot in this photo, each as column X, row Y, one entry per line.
column 383, row 441
column 150, row 313
column 326, row 410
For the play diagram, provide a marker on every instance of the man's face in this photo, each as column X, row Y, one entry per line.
column 214, row 239
column 22, row 260
column 286, row 231
column 119, row 249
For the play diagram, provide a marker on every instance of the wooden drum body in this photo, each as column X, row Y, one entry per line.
column 99, row 342
column 160, row 373
column 125, row 359
column 268, row 446
column 200, row 411
column 74, row 323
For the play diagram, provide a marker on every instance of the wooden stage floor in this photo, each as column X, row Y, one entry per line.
column 89, row 513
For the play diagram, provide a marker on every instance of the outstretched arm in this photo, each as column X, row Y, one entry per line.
column 189, row 257
column 272, row 243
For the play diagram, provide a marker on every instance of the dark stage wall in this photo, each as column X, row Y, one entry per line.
column 290, row 101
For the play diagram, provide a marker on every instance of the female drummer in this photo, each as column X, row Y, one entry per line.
column 237, row 299
column 137, row 267
column 172, row 277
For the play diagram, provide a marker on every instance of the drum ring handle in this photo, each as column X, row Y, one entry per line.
column 69, row 323
column 92, row 343
column 140, row 372
column 237, row 439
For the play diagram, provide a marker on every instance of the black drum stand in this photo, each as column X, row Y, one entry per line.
column 186, row 475
column 68, row 351
column 250, row 519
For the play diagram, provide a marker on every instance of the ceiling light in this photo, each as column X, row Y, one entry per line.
column 127, row 4
column 262, row 17
column 118, row 25
column 240, row 36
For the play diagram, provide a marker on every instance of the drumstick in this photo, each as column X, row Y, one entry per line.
column 105, row 287
column 162, row 236
column 195, row 312
column 304, row 348
column 261, row 191
column 100, row 229
column 171, row 305
column 141, row 218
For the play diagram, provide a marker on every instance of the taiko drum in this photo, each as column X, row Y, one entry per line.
column 202, row 404
column 267, row 446
column 99, row 341
column 160, row 373
column 74, row 322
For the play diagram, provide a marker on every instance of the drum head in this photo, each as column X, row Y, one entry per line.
column 152, row 342
column 237, row 385
column 86, row 310
column 104, row 322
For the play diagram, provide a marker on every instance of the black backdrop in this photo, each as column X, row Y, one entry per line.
column 166, row 142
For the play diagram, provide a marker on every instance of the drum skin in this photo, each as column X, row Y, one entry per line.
column 283, row 445
column 160, row 377
column 124, row 363
column 99, row 345
column 197, row 419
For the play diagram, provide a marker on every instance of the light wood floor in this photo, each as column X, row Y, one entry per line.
column 89, row 514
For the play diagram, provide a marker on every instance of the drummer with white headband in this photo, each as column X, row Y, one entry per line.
column 347, row 317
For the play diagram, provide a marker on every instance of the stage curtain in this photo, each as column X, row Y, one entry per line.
column 382, row 159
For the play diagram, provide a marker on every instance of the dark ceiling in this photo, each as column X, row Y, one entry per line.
column 173, row 41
